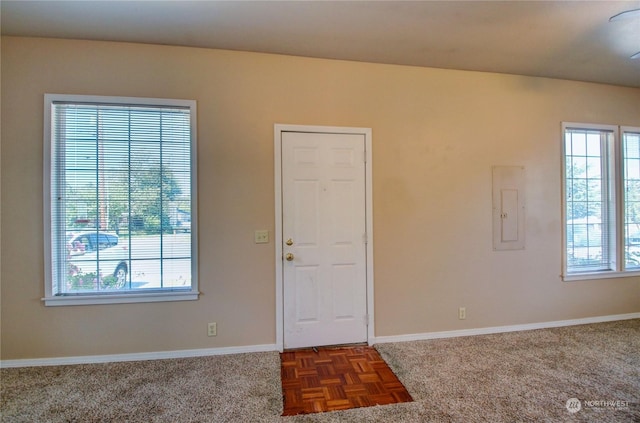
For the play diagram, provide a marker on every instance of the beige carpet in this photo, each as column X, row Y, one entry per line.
column 511, row 377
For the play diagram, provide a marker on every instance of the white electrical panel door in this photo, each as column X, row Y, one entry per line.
column 508, row 208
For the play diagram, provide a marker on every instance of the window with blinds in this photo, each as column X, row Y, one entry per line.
column 631, row 189
column 601, row 200
column 121, row 200
column 587, row 193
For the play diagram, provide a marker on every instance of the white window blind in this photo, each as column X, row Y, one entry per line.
column 122, row 198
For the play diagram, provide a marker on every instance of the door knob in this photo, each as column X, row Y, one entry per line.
column 289, row 242
column 289, row 256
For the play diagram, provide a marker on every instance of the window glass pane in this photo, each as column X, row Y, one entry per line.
column 593, row 144
column 578, row 141
column 631, row 184
column 632, row 169
column 631, row 145
column 593, row 167
column 594, row 197
column 121, row 198
column 587, row 239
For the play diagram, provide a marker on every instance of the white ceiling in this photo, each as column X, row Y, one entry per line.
column 558, row 39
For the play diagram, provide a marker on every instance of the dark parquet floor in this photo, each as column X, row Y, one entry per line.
column 328, row 379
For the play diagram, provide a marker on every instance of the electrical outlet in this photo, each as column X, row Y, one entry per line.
column 462, row 313
column 212, row 329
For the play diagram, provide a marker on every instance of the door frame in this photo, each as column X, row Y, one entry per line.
column 278, row 130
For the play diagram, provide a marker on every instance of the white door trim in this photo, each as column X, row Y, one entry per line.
column 278, row 130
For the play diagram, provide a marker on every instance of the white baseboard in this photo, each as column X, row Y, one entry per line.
column 160, row 355
column 501, row 329
column 111, row 358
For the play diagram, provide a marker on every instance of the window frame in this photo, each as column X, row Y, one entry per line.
column 50, row 299
column 613, row 176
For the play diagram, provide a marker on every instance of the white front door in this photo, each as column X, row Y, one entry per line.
column 324, row 239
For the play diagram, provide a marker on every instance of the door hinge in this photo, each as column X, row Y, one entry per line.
column 365, row 238
column 366, row 320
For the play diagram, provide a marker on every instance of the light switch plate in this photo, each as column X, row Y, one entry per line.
column 262, row 236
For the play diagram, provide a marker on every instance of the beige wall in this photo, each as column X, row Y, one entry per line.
column 436, row 134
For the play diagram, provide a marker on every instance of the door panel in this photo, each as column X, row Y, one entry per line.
column 323, row 212
column 344, row 277
column 306, row 211
column 306, row 293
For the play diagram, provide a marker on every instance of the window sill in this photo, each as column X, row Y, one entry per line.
column 605, row 274
column 146, row 297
